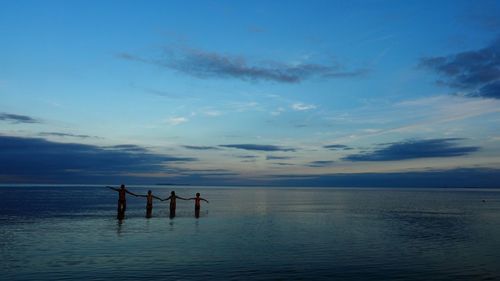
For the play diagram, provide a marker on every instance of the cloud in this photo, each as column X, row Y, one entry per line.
column 476, row 72
column 247, row 156
column 128, row 148
column 16, row 118
column 195, row 147
column 301, row 106
column 320, row 163
column 57, row 134
column 212, row 113
column 283, row 164
column 203, row 64
column 258, row 147
column 460, row 177
column 414, row 149
column 278, row 111
column 337, row 147
column 174, row 121
column 491, row 90
column 271, row 157
column 40, row 160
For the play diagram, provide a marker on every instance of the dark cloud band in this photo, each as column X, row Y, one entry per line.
column 195, row 147
column 204, row 64
column 414, row 149
column 337, row 147
column 16, row 118
column 40, row 159
column 477, row 72
column 257, row 147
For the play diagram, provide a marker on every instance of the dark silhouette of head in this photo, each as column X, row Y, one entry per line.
column 149, row 191
column 122, row 186
column 172, row 193
column 197, row 194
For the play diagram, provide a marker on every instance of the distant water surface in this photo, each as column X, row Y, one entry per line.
column 71, row 232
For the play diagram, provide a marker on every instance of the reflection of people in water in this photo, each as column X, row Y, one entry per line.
column 122, row 202
column 172, row 199
column 197, row 204
column 149, row 203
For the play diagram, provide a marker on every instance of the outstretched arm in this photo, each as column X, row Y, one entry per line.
column 139, row 195
column 157, row 198
column 204, row 200
column 129, row 192
column 110, row 187
column 168, row 198
column 181, row 197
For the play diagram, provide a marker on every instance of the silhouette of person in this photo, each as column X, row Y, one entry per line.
column 149, row 203
column 172, row 199
column 122, row 201
column 197, row 204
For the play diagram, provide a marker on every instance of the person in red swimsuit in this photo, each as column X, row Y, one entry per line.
column 149, row 203
column 122, row 201
column 172, row 199
column 197, row 204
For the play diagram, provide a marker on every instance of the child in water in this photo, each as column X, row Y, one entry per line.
column 122, row 202
column 172, row 199
column 197, row 204
column 149, row 203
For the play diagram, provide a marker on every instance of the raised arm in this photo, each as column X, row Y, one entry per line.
column 112, row 188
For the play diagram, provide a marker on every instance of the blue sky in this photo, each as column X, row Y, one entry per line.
column 249, row 92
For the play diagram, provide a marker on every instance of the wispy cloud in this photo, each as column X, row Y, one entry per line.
column 475, row 72
column 128, row 148
column 302, row 106
column 247, row 156
column 196, row 147
column 414, row 149
column 174, row 121
column 258, row 147
column 278, row 111
column 320, row 163
column 204, row 64
column 212, row 113
column 283, row 164
column 16, row 118
column 272, row 157
column 337, row 147
column 58, row 134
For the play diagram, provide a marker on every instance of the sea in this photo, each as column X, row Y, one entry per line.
column 71, row 232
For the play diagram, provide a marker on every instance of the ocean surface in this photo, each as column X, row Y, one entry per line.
column 71, row 233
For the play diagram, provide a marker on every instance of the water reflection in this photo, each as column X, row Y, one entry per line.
column 260, row 234
column 119, row 227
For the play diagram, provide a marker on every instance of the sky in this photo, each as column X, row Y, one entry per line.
column 307, row 93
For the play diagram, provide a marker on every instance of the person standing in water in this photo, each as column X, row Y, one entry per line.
column 172, row 199
column 149, row 203
column 122, row 201
column 197, row 204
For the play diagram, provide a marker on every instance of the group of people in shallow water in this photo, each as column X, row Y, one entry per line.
column 122, row 202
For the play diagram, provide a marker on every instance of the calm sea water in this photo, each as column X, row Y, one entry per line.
column 71, row 232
